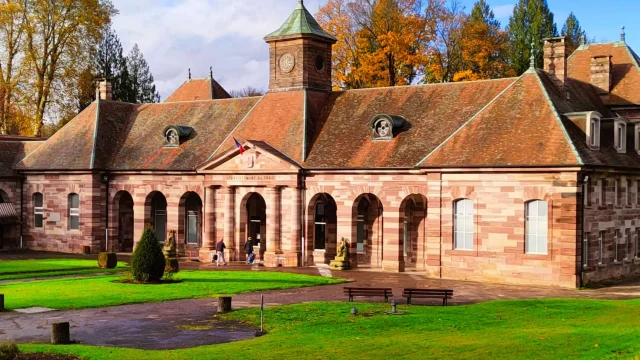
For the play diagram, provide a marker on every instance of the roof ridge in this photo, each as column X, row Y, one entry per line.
column 431, row 84
column 95, row 134
column 558, row 118
column 468, row 121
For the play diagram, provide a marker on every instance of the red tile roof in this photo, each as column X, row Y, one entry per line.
column 625, row 87
column 278, row 120
column 519, row 128
column 198, row 89
column 433, row 112
column 12, row 151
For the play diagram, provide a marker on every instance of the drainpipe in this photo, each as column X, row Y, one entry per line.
column 105, row 180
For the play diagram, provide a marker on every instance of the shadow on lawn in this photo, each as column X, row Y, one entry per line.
column 232, row 280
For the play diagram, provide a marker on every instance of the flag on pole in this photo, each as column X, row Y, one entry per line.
column 239, row 146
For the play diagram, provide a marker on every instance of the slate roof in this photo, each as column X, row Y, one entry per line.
column 198, row 89
column 301, row 22
column 625, row 86
column 13, row 149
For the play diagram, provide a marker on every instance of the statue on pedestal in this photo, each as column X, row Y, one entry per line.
column 341, row 262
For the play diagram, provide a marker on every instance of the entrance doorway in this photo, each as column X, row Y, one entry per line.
column 256, row 225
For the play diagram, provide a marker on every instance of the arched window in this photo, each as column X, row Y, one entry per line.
column 38, row 210
column 74, row 212
column 537, row 227
column 463, row 225
column 320, row 226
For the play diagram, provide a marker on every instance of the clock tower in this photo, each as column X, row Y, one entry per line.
column 300, row 54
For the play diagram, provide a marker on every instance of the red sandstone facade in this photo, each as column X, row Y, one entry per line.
column 444, row 183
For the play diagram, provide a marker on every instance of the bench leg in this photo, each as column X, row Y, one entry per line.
column 409, row 300
column 444, row 302
column 350, row 298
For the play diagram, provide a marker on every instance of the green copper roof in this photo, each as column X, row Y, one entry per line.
column 301, row 22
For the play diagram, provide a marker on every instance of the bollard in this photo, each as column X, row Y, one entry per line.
column 1, row 302
column 60, row 333
column 224, row 304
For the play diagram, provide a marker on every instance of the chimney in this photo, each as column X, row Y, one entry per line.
column 555, row 60
column 601, row 73
column 103, row 91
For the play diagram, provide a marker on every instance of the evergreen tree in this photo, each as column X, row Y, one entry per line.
column 573, row 32
column 112, row 65
column 531, row 22
column 142, row 83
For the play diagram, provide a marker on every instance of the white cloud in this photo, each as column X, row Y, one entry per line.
column 503, row 12
column 175, row 35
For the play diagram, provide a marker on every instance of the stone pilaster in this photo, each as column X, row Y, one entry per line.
column 273, row 250
column 229, row 224
column 208, row 238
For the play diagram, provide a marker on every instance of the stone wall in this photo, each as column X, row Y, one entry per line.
column 614, row 219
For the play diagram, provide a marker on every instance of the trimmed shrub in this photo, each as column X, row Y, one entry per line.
column 107, row 260
column 8, row 351
column 147, row 261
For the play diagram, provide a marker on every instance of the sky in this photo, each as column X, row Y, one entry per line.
column 175, row 35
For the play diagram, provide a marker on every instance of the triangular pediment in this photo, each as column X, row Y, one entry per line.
column 257, row 157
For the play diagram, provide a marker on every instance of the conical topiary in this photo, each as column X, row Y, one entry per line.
column 147, row 261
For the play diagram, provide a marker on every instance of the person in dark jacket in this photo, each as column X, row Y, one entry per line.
column 248, row 249
column 220, row 250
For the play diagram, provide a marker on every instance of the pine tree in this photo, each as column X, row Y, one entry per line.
column 112, row 65
column 531, row 22
column 142, row 83
column 573, row 32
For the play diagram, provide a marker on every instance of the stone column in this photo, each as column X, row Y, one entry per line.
column 208, row 237
column 229, row 224
column 273, row 226
column 296, row 219
column 392, row 257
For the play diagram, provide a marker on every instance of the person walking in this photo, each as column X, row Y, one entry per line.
column 248, row 249
column 220, row 251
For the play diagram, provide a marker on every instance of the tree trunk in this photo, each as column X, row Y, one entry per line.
column 60, row 333
column 224, row 304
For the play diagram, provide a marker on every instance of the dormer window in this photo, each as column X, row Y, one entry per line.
column 620, row 135
column 383, row 126
column 593, row 133
column 175, row 135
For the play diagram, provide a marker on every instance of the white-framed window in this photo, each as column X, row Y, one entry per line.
column 600, row 245
column 463, row 224
column 620, row 136
column 74, row 211
column 320, row 227
column 537, row 227
column 38, row 211
column 585, row 250
column 603, row 192
column 593, row 135
column 616, row 237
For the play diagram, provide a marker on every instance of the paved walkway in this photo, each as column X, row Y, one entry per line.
column 169, row 325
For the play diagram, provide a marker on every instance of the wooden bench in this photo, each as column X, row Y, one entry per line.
column 428, row 294
column 370, row 292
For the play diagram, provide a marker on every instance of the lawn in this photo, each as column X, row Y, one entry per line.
column 92, row 292
column 540, row 329
column 24, row 269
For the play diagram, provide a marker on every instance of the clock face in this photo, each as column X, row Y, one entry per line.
column 287, row 62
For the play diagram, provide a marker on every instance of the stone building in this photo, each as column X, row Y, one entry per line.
column 528, row 180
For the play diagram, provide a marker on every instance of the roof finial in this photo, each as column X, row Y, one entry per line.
column 211, row 72
column 189, row 73
column 532, row 62
column 301, row 2
column 583, row 40
column 623, row 36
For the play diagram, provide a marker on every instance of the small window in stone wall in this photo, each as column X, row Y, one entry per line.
column 617, row 192
column 628, row 191
column 74, row 212
column 38, row 211
column 536, row 227
column 603, row 192
column 627, row 243
column 600, row 245
column 616, row 243
column 637, row 242
column 463, row 224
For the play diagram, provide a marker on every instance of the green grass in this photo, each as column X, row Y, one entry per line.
column 531, row 329
column 25, row 269
column 92, row 292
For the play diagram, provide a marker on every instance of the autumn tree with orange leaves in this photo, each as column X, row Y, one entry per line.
column 483, row 47
column 381, row 42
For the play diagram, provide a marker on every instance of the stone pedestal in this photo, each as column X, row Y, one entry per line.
column 340, row 263
column 60, row 333
column 224, row 304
